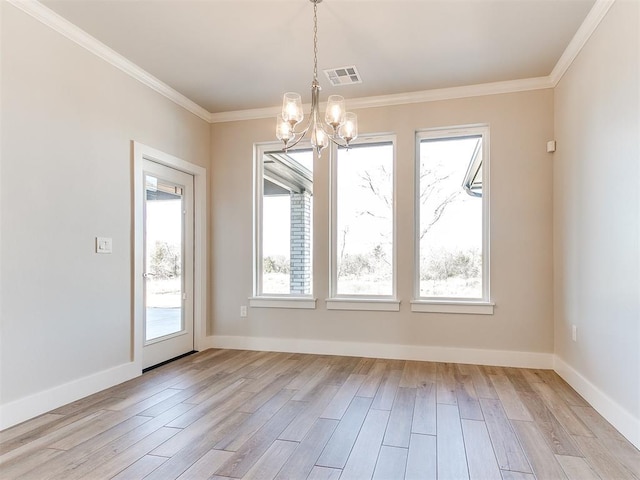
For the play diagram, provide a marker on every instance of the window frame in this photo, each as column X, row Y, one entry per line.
column 482, row 305
column 350, row 301
column 259, row 298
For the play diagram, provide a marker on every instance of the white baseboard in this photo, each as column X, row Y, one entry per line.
column 382, row 350
column 25, row 408
column 620, row 418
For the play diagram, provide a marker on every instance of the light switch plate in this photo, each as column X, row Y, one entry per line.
column 104, row 245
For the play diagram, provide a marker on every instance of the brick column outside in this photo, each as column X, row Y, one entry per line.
column 300, row 265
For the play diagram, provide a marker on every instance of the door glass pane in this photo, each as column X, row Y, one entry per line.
column 164, row 254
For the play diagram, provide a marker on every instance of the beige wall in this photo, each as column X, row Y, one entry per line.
column 597, row 211
column 68, row 119
column 521, row 232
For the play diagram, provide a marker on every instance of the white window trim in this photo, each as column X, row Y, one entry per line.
column 282, row 302
column 368, row 304
column 260, row 300
column 360, row 302
column 453, row 305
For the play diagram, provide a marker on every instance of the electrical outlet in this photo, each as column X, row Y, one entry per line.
column 243, row 310
column 574, row 333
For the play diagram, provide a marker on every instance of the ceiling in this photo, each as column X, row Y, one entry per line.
column 231, row 55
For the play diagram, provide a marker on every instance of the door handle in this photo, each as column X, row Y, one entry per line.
column 147, row 275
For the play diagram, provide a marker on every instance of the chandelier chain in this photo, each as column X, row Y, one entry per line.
column 339, row 127
column 315, row 40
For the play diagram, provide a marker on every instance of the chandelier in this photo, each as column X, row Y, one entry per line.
column 339, row 127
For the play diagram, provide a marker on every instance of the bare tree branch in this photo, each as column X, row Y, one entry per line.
column 366, row 177
column 344, row 244
column 370, row 214
column 438, row 212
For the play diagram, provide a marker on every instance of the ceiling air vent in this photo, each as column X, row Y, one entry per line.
column 343, row 75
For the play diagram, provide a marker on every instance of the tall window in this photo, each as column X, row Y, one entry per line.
column 452, row 214
column 284, row 221
column 363, row 220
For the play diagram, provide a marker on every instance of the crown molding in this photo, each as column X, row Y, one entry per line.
column 249, row 114
column 451, row 93
column 582, row 35
column 75, row 34
column 82, row 38
column 495, row 88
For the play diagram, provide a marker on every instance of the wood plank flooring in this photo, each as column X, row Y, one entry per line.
column 223, row 414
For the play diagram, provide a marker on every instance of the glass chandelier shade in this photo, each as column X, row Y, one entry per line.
column 335, row 112
column 339, row 127
column 292, row 108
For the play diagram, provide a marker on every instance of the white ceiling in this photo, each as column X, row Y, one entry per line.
column 229, row 55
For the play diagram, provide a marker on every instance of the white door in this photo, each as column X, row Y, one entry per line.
column 168, row 263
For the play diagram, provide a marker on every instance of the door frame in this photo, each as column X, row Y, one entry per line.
column 140, row 153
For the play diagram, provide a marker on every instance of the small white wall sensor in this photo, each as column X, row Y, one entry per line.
column 104, row 245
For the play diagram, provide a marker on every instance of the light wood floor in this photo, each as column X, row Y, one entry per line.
column 259, row 415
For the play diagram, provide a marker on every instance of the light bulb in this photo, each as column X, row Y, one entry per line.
column 319, row 139
column 292, row 108
column 284, row 131
column 349, row 129
column 334, row 116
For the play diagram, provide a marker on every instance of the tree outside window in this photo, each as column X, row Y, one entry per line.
column 364, row 225
column 450, row 202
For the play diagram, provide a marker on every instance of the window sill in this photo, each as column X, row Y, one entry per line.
column 478, row 308
column 369, row 304
column 283, row 302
